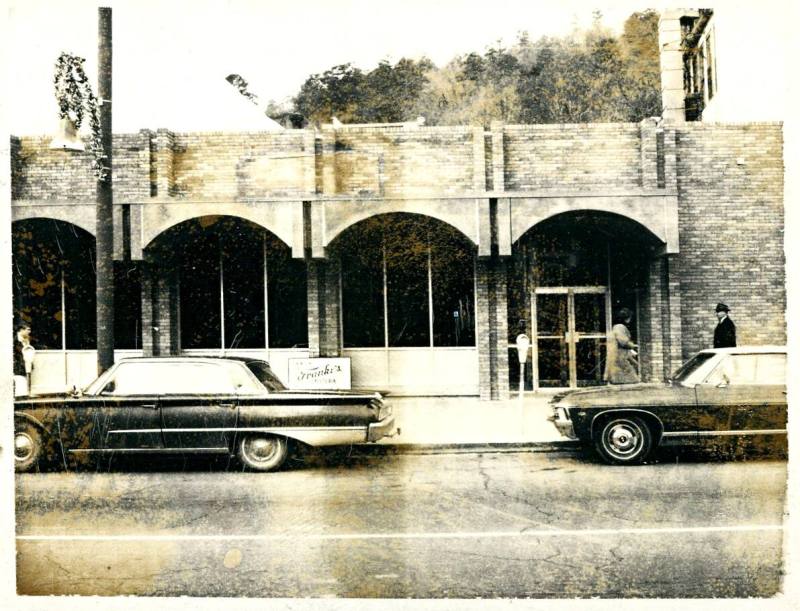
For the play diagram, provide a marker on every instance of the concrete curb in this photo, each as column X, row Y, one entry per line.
column 465, row 448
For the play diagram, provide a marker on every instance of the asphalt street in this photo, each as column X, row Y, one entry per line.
column 368, row 524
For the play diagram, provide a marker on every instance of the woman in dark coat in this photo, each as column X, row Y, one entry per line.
column 621, row 367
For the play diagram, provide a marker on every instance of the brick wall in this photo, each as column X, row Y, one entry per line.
column 47, row 174
column 579, row 157
column 393, row 162
column 730, row 184
column 398, row 162
column 241, row 165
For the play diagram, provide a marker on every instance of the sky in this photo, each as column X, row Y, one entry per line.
column 171, row 57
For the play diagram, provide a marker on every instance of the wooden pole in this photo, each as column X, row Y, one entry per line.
column 105, row 202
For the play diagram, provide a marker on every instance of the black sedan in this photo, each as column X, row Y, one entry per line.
column 202, row 405
column 716, row 394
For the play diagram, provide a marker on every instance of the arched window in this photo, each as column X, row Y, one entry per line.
column 239, row 285
column 407, row 281
column 54, row 283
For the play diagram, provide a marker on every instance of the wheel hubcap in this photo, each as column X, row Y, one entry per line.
column 23, row 446
column 261, row 449
column 623, row 439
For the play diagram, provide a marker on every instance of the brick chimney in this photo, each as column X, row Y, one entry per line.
column 673, row 107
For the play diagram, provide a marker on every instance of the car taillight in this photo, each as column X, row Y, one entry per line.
column 381, row 409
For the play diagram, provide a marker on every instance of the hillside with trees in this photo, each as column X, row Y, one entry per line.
column 588, row 76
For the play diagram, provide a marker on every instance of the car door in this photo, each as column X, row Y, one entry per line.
column 765, row 411
column 199, row 406
column 727, row 393
column 129, row 412
column 120, row 415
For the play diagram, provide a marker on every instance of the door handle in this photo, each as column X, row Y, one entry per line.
column 228, row 405
column 151, row 406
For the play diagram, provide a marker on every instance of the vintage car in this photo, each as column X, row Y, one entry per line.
column 208, row 405
column 716, row 394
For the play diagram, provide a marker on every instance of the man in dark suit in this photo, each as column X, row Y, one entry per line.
column 725, row 332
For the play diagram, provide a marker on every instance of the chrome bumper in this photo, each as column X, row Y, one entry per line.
column 564, row 425
column 383, row 428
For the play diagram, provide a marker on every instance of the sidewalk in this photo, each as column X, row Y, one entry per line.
column 455, row 421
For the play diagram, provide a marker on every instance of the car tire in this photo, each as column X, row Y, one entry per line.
column 624, row 440
column 262, row 452
column 29, row 446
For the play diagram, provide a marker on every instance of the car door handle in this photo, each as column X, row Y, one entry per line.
column 150, row 406
column 228, row 405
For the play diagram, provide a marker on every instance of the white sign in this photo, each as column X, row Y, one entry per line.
column 322, row 373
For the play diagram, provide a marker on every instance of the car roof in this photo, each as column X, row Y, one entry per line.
column 746, row 350
column 191, row 359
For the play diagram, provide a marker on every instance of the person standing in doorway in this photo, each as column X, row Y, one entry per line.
column 621, row 365
column 725, row 331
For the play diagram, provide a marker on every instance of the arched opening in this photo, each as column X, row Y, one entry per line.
column 54, row 283
column 407, row 281
column 237, row 285
column 54, row 291
column 570, row 275
column 407, row 289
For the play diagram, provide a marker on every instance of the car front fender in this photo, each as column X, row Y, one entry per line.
column 653, row 421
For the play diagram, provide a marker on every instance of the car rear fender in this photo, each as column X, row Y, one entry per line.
column 653, row 421
column 34, row 421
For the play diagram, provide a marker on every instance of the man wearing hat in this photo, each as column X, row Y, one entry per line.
column 725, row 332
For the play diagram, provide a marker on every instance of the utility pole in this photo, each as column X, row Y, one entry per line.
column 104, row 228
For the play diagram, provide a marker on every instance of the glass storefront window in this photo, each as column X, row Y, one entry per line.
column 407, row 281
column 54, row 283
column 362, row 276
column 224, row 263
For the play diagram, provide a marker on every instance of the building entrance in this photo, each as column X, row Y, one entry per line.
column 568, row 278
column 569, row 330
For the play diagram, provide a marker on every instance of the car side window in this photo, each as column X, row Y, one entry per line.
column 130, row 379
column 195, row 379
column 243, row 381
column 735, row 369
column 152, row 378
column 771, row 369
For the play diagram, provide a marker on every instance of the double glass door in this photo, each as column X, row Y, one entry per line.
column 569, row 330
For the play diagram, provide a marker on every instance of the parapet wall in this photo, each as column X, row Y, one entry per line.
column 391, row 162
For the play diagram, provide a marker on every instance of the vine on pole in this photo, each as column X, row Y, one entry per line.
column 75, row 98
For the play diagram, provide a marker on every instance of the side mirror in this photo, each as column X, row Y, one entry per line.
column 75, row 392
column 725, row 382
column 109, row 388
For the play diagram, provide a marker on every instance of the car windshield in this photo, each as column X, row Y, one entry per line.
column 683, row 373
column 265, row 375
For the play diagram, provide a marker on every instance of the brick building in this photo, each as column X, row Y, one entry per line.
column 707, row 74
column 418, row 252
